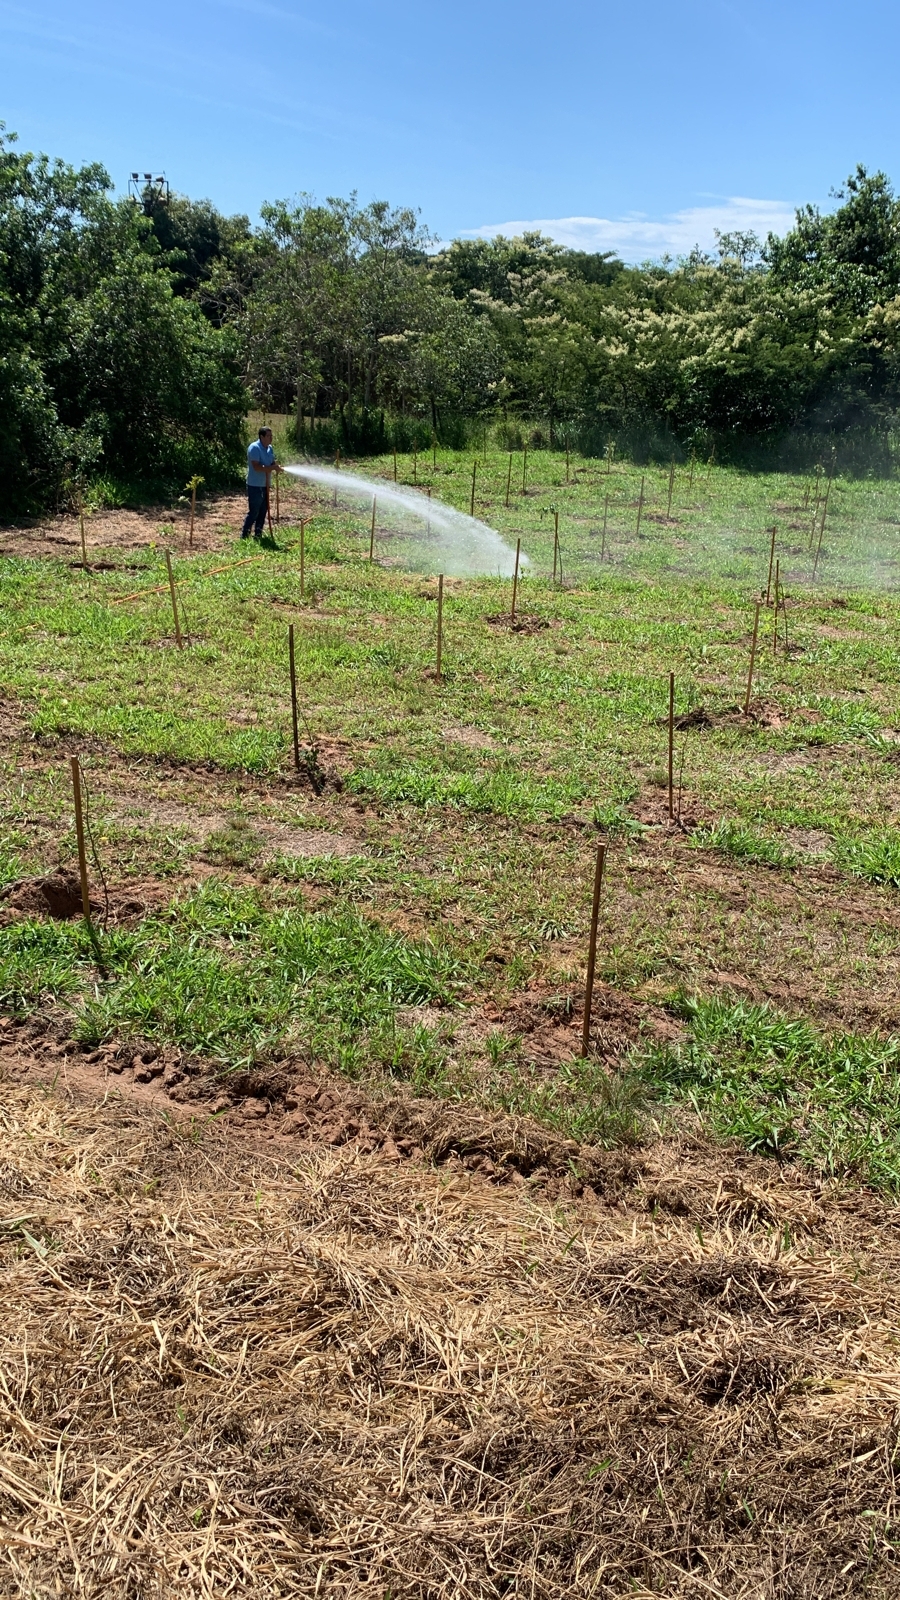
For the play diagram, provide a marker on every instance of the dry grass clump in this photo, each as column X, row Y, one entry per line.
column 226, row 1373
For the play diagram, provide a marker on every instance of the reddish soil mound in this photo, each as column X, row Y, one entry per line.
column 58, row 895
column 522, row 623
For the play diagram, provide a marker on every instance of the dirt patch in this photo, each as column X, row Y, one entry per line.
column 303, row 842
column 521, row 623
column 785, row 760
column 547, row 1023
column 652, row 809
column 769, row 714
column 57, row 896
column 812, row 842
column 217, row 523
column 293, row 1104
column 471, row 738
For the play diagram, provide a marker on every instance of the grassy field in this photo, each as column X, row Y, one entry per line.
column 386, row 1288
column 465, row 808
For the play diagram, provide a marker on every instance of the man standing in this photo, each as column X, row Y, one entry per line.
column 261, row 464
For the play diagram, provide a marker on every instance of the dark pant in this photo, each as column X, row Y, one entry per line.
column 256, row 516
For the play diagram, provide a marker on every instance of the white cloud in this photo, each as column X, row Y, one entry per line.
column 637, row 237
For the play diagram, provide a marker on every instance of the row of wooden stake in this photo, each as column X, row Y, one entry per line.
column 77, row 783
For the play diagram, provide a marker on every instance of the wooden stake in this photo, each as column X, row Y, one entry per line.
column 415, row 464
column 79, row 834
column 395, row 463
column 512, row 614
column 434, row 452
column 472, row 500
column 556, row 552
column 509, row 477
column 752, row 658
column 293, row 671
column 303, row 522
column 605, row 515
column 592, row 950
column 194, row 512
column 819, row 545
column 771, row 561
column 372, row 534
column 84, row 560
column 640, row 508
column 178, row 637
column 567, row 461
column 440, row 626
column 784, row 614
column 777, row 586
column 671, row 745
column 693, row 464
column 277, row 499
column 524, row 466
column 671, row 487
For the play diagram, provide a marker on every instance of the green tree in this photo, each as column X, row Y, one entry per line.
column 102, row 366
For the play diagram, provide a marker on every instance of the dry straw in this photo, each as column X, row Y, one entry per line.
column 294, row 1371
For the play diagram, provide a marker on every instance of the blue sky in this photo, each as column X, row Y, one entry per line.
column 632, row 127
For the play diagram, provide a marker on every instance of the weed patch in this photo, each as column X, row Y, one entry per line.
column 582, row 1101
column 226, row 976
column 876, row 857
column 784, row 1089
column 507, row 794
column 744, row 843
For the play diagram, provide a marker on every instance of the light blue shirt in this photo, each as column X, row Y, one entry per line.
column 259, row 455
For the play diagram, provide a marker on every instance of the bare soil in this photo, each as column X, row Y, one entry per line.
column 218, row 519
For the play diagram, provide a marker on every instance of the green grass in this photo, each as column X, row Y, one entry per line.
column 477, row 798
column 582, row 1100
column 746, row 844
column 874, row 856
column 785, row 1089
column 505, row 793
column 230, row 976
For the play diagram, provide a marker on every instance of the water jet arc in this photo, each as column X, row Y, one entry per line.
column 448, row 541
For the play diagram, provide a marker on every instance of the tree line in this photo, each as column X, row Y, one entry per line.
column 135, row 335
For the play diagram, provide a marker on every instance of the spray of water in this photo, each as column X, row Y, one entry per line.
column 432, row 536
